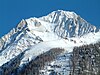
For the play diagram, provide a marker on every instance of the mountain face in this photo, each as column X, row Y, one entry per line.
column 60, row 23
column 35, row 36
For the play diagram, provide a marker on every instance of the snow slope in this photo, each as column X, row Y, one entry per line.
column 60, row 43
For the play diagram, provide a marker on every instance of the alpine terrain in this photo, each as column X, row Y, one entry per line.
column 61, row 43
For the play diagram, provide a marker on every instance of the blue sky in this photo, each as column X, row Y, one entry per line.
column 12, row 11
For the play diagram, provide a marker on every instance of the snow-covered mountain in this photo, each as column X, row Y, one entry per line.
column 60, row 23
column 35, row 36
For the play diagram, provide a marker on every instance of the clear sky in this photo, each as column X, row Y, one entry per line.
column 12, row 11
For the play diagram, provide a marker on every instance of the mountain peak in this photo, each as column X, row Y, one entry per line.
column 58, row 15
column 68, row 14
column 68, row 24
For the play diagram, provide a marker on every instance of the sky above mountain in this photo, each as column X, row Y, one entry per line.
column 12, row 11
